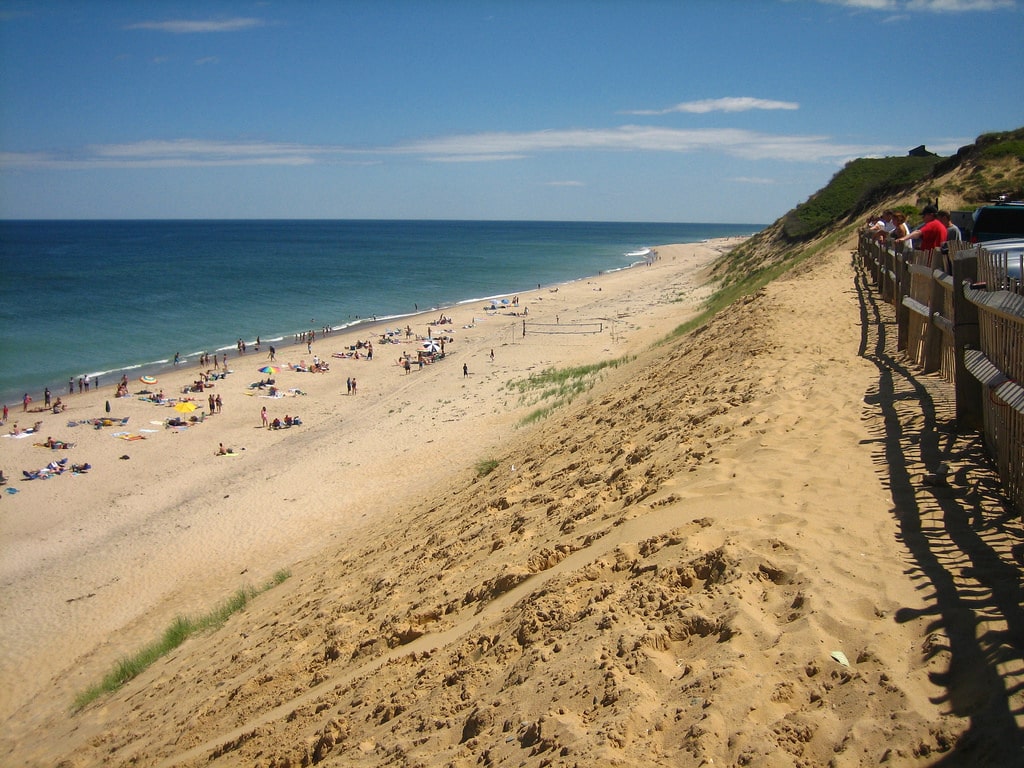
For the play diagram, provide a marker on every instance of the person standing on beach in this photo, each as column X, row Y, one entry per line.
column 348, row 385
column 353, row 385
column 71, row 386
column 25, row 401
column 46, row 397
column 273, row 353
column 263, row 417
column 465, row 370
column 177, row 358
column 219, row 403
column 5, row 415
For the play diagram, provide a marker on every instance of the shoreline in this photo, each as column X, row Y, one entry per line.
column 95, row 564
column 166, row 365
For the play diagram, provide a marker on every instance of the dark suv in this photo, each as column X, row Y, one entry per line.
column 998, row 222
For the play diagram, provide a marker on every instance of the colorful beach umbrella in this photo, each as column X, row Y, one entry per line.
column 185, row 406
column 147, row 379
column 431, row 346
column 270, row 369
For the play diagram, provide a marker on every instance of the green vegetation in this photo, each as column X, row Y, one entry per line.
column 855, row 188
column 559, row 386
column 181, row 629
column 485, row 467
column 1013, row 149
column 992, row 166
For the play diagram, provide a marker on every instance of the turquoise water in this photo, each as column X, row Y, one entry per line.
column 105, row 297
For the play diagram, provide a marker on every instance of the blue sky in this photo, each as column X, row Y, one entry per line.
column 693, row 110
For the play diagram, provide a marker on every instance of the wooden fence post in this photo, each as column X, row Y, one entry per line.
column 902, row 290
column 933, row 333
column 966, row 335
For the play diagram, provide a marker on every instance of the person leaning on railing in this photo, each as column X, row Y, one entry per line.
column 932, row 233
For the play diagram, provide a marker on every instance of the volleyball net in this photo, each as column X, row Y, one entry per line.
column 530, row 328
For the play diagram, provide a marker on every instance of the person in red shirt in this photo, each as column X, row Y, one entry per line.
column 932, row 233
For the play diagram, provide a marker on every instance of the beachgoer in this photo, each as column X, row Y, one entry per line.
column 5, row 415
column 217, row 401
column 952, row 230
column 353, row 386
column 46, row 397
column 25, row 401
column 177, row 358
column 900, row 226
column 263, row 416
column 931, row 233
column 71, row 386
column 465, row 369
column 492, row 355
column 273, row 352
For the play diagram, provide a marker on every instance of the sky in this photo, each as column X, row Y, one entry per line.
column 729, row 111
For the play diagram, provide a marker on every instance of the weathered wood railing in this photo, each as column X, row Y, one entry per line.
column 962, row 316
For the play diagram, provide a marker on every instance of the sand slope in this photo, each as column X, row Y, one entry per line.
column 721, row 554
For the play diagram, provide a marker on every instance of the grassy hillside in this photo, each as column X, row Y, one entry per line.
column 993, row 166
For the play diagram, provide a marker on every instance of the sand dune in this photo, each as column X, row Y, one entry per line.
column 720, row 554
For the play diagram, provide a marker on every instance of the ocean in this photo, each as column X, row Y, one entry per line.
column 104, row 298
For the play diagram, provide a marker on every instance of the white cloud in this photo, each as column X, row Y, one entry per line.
column 186, row 27
column 477, row 147
column 958, row 6
column 926, row 6
column 474, row 158
column 726, row 104
column 741, row 143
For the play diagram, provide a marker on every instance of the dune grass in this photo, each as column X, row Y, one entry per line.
column 484, row 467
column 559, row 386
column 180, row 630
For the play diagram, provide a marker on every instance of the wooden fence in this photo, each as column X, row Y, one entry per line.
column 961, row 315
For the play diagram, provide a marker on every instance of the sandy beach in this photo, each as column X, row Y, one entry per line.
column 172, row 528
column 701, row 559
